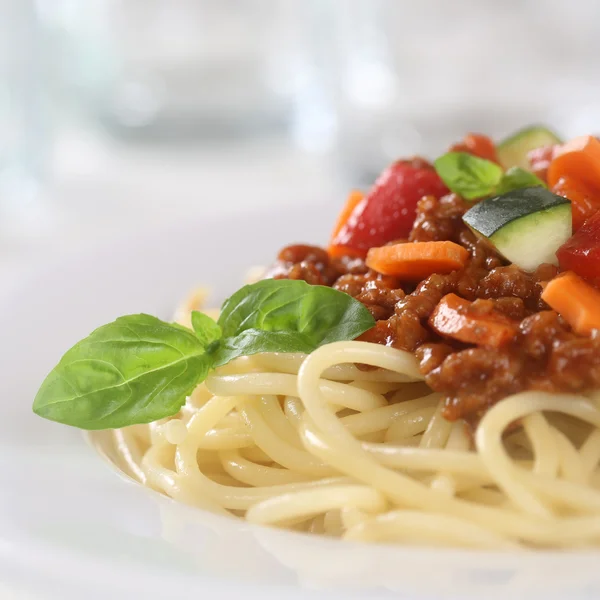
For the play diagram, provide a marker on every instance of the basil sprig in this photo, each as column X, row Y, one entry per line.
column 472, row 177
column 138, row 368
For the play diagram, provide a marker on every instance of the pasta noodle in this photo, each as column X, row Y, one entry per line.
column 315, row 444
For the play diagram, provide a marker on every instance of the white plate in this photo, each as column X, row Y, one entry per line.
column 70, row 527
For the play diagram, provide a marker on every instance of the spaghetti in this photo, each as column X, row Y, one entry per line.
column 314, row 444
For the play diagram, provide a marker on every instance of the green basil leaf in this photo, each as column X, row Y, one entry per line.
column 308, row 315
column 255, row 341
column 207, row 330
column 136, row 369
column 515, row 179
column 469, row 176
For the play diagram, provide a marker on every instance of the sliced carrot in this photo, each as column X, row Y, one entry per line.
column 417, row 260
column 579, row 158
column 451, row 318
column 575, row 300
column 585, row 199
column 335, row 250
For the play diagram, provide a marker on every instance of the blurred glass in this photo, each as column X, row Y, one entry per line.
column 411, row 77
column 180, row 68
column 24, row 123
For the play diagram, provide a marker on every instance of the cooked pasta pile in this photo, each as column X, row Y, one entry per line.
column 316, row 444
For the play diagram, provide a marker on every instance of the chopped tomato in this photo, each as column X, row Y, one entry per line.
column 388, row 210
column 478, row 145
column 585, row 199
column 581, row 253
column 540, row 159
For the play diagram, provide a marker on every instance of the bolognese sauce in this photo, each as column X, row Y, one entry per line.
column 544, row 353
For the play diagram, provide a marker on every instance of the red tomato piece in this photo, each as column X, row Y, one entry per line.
column 478, row 145
column 581, row 253
column 388, row 210
column 585, row 200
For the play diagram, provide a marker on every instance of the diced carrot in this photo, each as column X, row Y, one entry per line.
column 352, row 202
column 579, row 159
column 417, row 260
column 585, row 199
column 575, row 300
column 451, row 318
column 478, row 145
column 336, row 250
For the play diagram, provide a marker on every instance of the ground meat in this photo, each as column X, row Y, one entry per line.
column 378, row 293
column 544, row 355
column 309, row 263
column 439, row 220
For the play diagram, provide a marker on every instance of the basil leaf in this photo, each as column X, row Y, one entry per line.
column 515, row 179
column 469, row 176
column 207, row 330
column 139, row 369
column 255, row 341
column 136, row 369
column 309, row 315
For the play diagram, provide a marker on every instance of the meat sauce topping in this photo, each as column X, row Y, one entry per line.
column 544, row 354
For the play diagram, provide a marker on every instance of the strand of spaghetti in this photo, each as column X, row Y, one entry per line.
column 418, row 527
column 382, row 418
column 332, row 522
column 571, row 467
column 376, row 387
column 590, row 451
column 130, row 452
column 226, row 438
column 409, row 426
column 291, row 363
column 438, row 430
column 257, row 475
column 293, row 410
column 275, row 418
column 256, row 455
column 457, row 439
column 488, row 439
column 314, row 502
column 279, row 384
column 278, row 448
column 542, row 440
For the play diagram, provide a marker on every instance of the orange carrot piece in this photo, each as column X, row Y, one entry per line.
column 579, row 159
column 354, row 199
column 451, row 318
column 414, row 261
column 352, row 202
column 575, row 300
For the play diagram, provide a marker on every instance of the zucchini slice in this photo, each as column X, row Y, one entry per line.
column 526, row 226
column 512, row 152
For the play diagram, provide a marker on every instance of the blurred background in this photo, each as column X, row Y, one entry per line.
column 119, row 114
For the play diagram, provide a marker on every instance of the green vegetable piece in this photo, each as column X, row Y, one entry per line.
column 288, row 316
column 516, row 178
column 527, row 226
column 513, row 151
column 136, row 369
column 469, row 176
column 207, row 330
